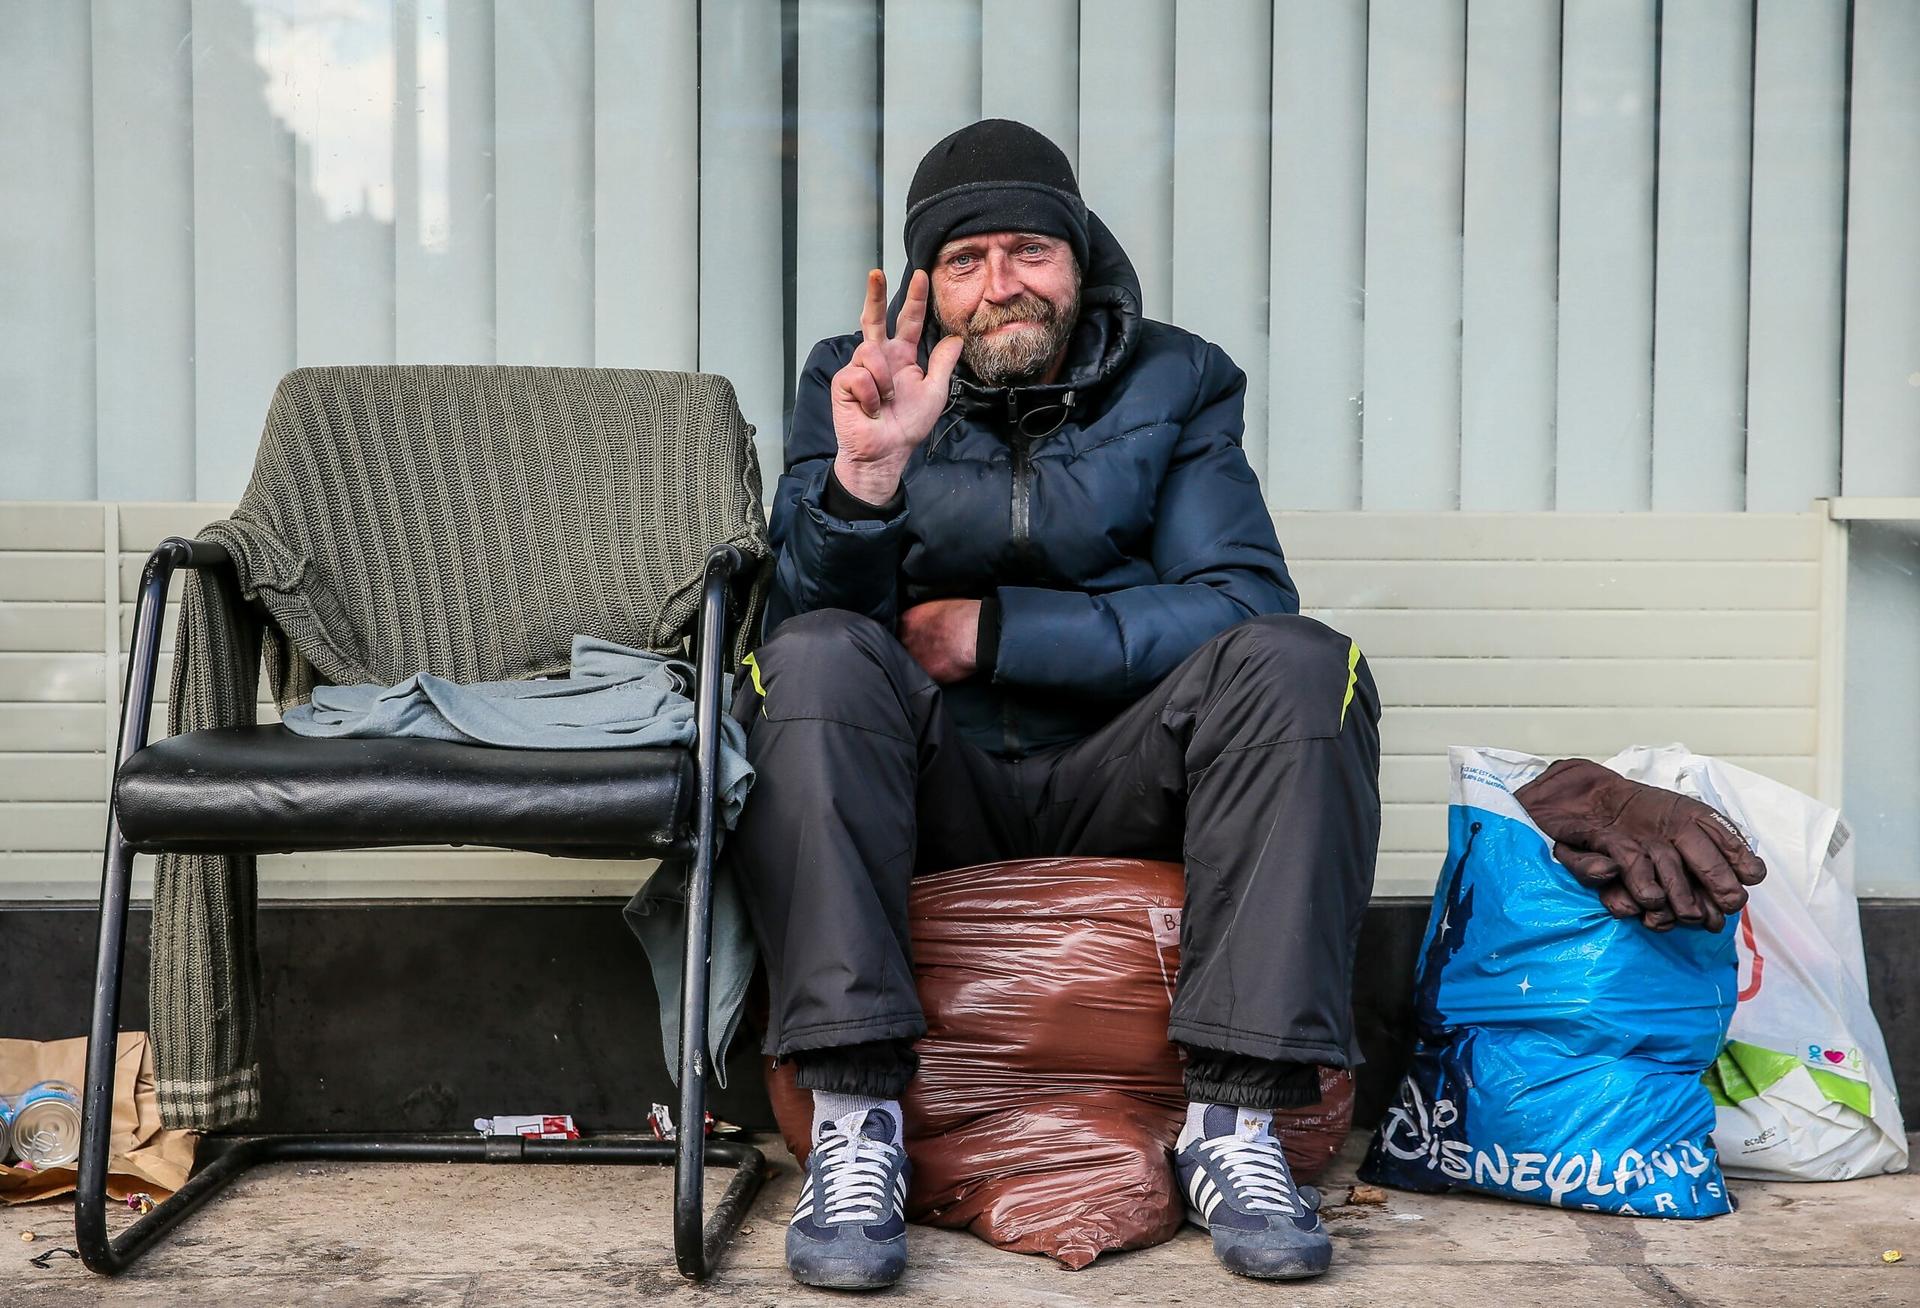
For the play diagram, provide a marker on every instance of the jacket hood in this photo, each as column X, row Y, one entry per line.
column 1102, row 342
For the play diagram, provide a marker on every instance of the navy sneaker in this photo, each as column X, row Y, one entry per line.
column 849, row 1227
column 1238, row 1187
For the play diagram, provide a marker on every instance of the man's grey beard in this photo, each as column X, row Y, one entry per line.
column 1016, row 357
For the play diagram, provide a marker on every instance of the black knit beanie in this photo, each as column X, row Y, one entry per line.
column 994, row 176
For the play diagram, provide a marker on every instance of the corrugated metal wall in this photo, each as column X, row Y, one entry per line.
column 1505, row 254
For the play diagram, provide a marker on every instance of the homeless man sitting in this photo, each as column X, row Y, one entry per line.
column 1028, row 601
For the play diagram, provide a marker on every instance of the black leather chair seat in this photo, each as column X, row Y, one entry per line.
column 265, row 790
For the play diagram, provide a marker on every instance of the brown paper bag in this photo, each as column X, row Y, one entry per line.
column 142, row 1156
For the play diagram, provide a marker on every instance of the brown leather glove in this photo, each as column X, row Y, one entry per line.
column 1650, row 853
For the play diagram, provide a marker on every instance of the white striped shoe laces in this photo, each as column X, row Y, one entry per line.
column 1254, row 1169
column 853, row 1173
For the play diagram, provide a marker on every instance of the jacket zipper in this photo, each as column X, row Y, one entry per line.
column 1022, row 531
column 1022, row 474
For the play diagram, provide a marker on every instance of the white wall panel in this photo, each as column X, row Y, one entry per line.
column 1316, row 254
column 1415, row 143
column 1510, row 255
column 1559, row 633
column 46, row 251
column 1796, row 278
column 1700, row 297
column 143, row 248
column 1604, row 370
column 742, row 304
column 646, row 192
column 1882, row 384
column 1222, row 130
column 1126, row 134
column 543, row 181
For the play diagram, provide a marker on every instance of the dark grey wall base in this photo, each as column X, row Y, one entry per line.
column 425, row 1015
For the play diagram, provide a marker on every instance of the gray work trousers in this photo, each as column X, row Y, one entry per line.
column 1255, row 763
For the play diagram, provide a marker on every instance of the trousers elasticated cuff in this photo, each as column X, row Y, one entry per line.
column 1217, row 1077
column 878, row 1069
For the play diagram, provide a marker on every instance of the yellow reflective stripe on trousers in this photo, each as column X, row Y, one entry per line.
column 753, row 670
column 1353, row 677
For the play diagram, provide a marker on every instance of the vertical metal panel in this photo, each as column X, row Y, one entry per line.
column 1126, row 134
column 1030, row 66
column 1510, row 255
column 1604, row 402
column 543, row 178
column 837, row 201
column 646, row 140
column 1700, row 296
column 742, row 309
column 1222, row 124
column 1797, row 263
column 1317, row 254
column 1415, row 150
column 243, row 285
column 1881, row 435
column 930, row 87
column 443, row 182
column 1881, row 748
column 339, row 87
column 143, row 248
column 46, row 250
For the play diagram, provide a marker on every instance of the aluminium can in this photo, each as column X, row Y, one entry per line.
column 46, row 1124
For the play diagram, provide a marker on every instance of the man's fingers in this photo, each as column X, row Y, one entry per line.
column 941, row 363
column 874, row 359
column 873, row 314
column 1589, row 867
column 859, row 384
column 1682, row 896
column 1707, row 865
column 913, row 314
column 1658, row 919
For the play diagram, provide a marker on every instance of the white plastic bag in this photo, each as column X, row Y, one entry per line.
column 1803, row 1091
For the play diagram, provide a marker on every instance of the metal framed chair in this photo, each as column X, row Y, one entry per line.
column 683, row 829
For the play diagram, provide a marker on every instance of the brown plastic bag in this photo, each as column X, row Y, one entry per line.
column 1048, row 1095
column 143, row 1157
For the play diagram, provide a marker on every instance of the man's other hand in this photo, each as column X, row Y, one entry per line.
column 944, row 637
column 1650, row 853
column 884, row 404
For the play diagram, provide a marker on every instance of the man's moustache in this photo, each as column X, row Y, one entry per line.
column 1040, row 313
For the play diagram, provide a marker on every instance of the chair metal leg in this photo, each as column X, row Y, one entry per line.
column 239, row 1154
column 236, row 1155
column 693, row 1254
column 96, row 1111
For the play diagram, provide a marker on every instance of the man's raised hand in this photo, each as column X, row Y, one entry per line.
column 884, row 403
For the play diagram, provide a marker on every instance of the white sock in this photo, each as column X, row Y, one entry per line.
column 1206, row 1121
column 829, row 1107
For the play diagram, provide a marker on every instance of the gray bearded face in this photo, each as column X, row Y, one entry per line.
column 1014, row 357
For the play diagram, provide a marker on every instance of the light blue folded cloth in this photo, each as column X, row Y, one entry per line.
column 615, row 697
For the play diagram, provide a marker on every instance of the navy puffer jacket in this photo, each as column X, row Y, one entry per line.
column 1112, row 514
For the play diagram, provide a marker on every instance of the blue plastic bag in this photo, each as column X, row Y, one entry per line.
column 1560, row 1050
